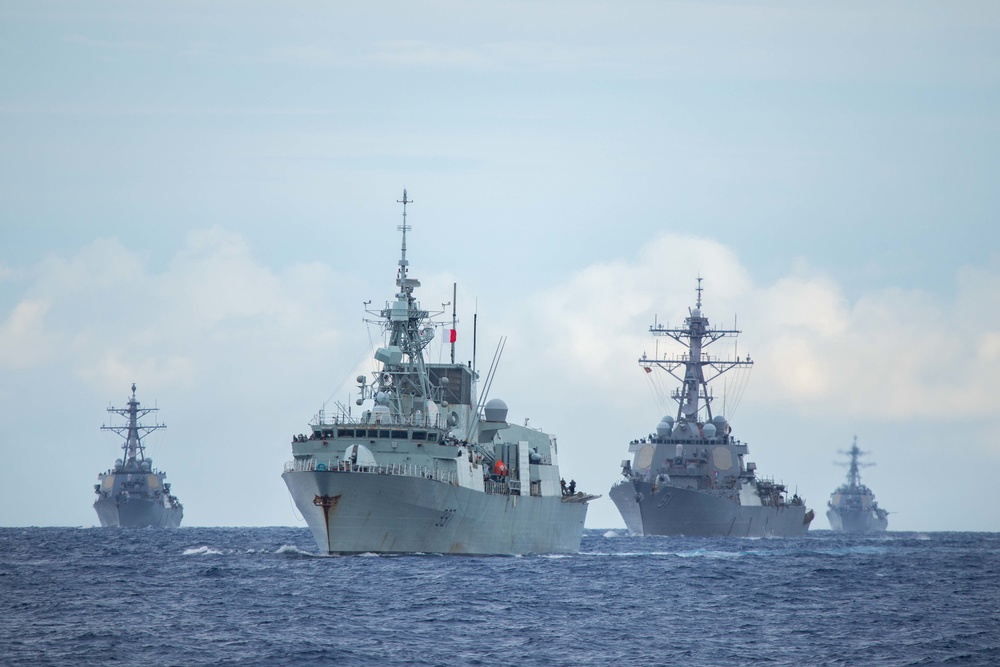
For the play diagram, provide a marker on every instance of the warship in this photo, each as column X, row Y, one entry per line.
column 852, row 507
column 133, row 493
column 689, row 477
column 427, row 466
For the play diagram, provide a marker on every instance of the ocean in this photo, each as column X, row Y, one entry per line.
column 261, row 596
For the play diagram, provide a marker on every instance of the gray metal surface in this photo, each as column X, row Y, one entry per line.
column 374, row 513
column 852, row 507
column 426, row 465
column 690, row 477
column 682, row 512
column 133, row 494
column 137, row 513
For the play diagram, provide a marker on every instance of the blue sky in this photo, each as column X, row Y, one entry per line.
column 198, row 197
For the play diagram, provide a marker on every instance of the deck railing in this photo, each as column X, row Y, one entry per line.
column 403, row 469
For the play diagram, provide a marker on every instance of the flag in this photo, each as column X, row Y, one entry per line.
column 452, row 335
column 648, row 369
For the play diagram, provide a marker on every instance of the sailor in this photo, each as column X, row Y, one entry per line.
column 572, row 486
column 562, row 483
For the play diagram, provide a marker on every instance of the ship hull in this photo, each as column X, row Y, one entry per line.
column 848, row 521
column 670, row 510
column 353, row 512
column 137, row 513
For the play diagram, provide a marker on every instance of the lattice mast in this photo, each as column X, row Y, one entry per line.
column 699, row 368
column 133, row 431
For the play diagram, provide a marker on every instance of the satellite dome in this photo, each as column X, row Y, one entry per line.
column 496, row 410
column 708, row 430
column 668, row 420
column 696, row 312
column 359, row 455
column 381, row 398
column 663, row 429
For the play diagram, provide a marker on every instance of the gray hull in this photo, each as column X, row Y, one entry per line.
column 685, row 512
column 354, row 512
column 137, row 513
column 850, row 521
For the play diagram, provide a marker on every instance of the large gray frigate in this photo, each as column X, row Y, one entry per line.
column 852, row 507
column 133, row 493
column 427, row 466
column 689, row 477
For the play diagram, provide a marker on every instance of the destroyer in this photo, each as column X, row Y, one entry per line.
column 427, row 467
column 133, row 494
column 689, row 478
column 852, row 507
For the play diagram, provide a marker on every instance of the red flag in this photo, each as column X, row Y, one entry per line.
column 648, row 369
column 452, row 335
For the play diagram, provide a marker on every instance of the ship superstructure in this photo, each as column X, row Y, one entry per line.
column 852, row 507
column 690, row 477
column 134, row 494
column 428, row 466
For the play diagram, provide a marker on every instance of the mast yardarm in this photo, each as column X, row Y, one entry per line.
column 696, row 336
column 133, row 432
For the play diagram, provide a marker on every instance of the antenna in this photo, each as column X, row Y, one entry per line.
column 402, row 261
column 454, row 321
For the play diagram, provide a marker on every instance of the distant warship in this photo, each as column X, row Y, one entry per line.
column 133, row 494
column 427, row 467
column 689, row 477
column 852, row 507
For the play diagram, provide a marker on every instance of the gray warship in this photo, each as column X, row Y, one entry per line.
column 689, row 477
column 852, row 507
column 428, row 466
column 133, row 493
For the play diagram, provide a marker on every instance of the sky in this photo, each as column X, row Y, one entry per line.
column 199, row 197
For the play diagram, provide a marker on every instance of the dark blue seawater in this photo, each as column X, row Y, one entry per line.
column 258, row 596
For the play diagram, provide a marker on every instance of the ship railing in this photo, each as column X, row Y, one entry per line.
column 497, row 488
column 422, row 421
column 401, row 469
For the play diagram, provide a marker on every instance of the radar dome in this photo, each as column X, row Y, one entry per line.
column 381, row 398
column 496, row 410
column 359, row 455
column 696, row 312
column 708, row 430
column 361, row 379
column 668, row 420
column 663, row 429
column 720, row 423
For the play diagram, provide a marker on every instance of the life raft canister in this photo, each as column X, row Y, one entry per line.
column 499, row 468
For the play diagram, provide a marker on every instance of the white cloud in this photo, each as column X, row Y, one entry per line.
column 890, row 354
column 23, row 341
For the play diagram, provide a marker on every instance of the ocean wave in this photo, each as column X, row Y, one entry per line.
column 202, row 551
